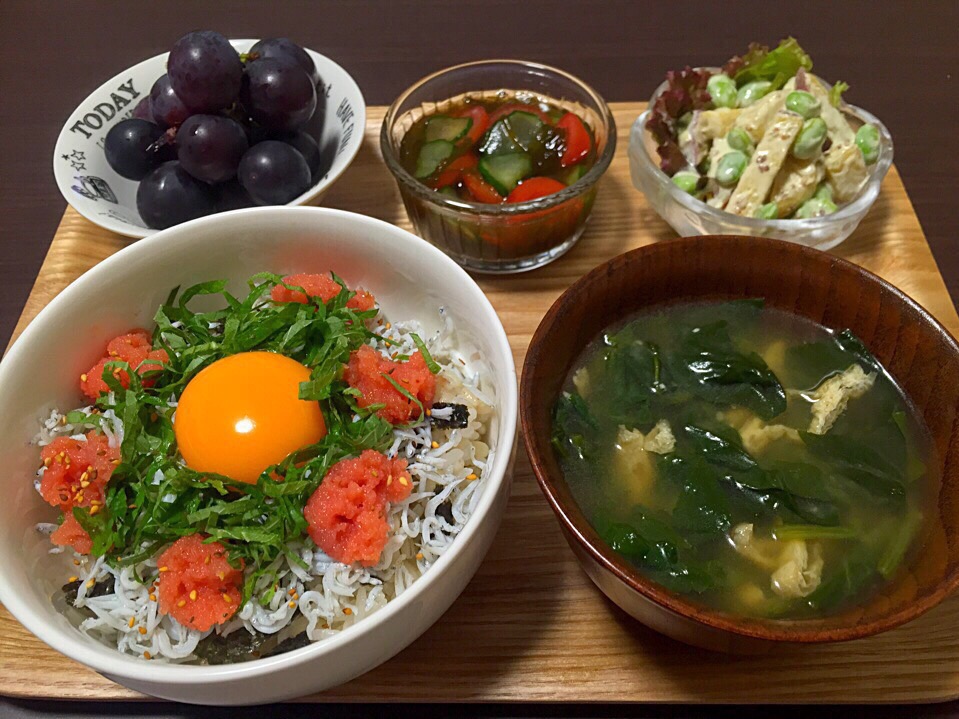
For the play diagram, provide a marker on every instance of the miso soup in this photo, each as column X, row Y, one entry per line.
column 746, row 457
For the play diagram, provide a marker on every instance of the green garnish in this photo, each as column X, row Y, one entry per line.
column 421, row 346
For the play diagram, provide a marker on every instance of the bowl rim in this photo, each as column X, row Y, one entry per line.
column 71, row 643
column 420, row 190
column 859, row 206
column 576, row 526
column 241, row 45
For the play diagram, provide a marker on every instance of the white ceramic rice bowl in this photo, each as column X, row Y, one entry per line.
column 105, row 198
column 410, row 279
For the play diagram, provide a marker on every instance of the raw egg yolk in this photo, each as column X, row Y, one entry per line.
column 243, row 413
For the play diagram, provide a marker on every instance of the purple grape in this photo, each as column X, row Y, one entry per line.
column 306, row 146
column 209, row 147
column 274, row 173
column 168, row 109
column 130, row 148
column 143, row 110
column 232, row 196
column 278, row 95
column 170, row 195
column 282, row 48
column 205, row 71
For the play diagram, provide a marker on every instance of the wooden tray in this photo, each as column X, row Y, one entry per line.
column 531, row 626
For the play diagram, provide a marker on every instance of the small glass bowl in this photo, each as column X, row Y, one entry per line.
column 509, row 237
column 689, row 216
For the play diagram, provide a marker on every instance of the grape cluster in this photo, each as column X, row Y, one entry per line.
column 220, row 131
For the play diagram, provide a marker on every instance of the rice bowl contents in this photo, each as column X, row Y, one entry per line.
column 177, row 563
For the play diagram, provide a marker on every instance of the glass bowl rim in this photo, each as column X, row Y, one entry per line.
column 859, row 206
column 429, row 195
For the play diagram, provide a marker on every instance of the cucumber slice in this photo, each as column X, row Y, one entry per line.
column 517, row 132
column 575, row 174
column 451, row 129
column 505, row 171
column 432, row 155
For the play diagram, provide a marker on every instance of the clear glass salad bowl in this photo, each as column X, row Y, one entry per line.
column 500, row 238
column 689, row 216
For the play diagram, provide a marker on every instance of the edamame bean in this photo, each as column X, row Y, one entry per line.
column 803, row 103
column 815, row 207
column 739, row 139
column 808, row 142
column 753, row 91
column 687, row 181
column 867, row 140
column 769, row 211
column 723, row 90
column 823, row 192
column 730, row 168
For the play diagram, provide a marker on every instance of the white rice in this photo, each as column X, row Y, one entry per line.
column 329, row 596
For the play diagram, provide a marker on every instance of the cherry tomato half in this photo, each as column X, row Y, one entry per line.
column 453, row 172
column 480, row 189
column 534, row 188
column 481, row 121
column 578, row 142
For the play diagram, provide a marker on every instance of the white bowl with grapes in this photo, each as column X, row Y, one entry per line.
column 212, row 126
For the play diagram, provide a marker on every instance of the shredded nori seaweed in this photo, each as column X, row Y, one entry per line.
column 238, row 646
column 288, row 645
column 458, row 419
column 99, row 589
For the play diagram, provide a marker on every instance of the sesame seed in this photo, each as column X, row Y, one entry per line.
column 131, row 622
column 142, row 630
column 347, row 610
column 74, row 578
column 429, row 413
column 471, row 476
column 76, row 562
column 291, row 605
column 419, row 555
column 389, row 325
column 47, row 462
column 193, row 595
column 147, row 655
column 90, row 583
column 436, row 445
column 153, row 597
column 292, row 591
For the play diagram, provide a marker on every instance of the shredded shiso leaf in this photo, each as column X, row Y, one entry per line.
column 153, row 498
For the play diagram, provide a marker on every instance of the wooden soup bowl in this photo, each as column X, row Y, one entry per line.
column 919, row 353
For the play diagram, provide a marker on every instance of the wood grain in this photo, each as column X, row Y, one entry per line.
column 530, row 626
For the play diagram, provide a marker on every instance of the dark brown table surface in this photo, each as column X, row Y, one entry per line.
column 901, row 60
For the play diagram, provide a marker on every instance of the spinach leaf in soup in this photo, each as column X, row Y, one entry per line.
column 858, row 462
column 573, row 426
column 702, row 507
column 710, row 366
column 653, row 544
column 631, row 375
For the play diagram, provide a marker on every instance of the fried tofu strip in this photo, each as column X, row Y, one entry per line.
column 771, row 153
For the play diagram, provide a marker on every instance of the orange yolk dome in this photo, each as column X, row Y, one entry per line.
column 243, row 413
